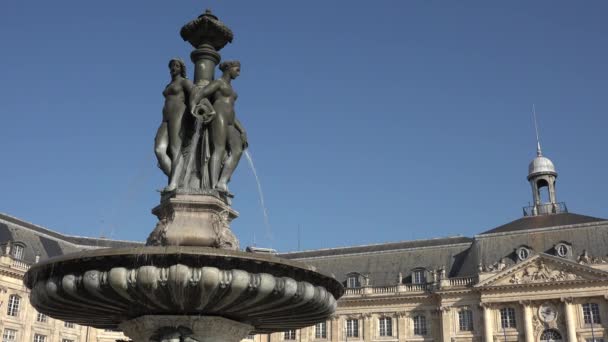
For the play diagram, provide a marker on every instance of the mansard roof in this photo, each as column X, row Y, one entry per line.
column 46, row 243
column 382, row 263
column 543, row 221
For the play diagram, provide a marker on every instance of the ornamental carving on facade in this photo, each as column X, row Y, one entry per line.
column 541, row 273
column 586, row 259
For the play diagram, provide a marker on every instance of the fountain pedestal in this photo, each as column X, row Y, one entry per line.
column 183, row 328
column 194, row 220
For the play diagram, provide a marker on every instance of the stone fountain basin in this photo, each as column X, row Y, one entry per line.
column 105, row 287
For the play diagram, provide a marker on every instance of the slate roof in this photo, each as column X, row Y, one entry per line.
column 382, row 263
column 581, row 233
column 47, row 243
column 543, row 221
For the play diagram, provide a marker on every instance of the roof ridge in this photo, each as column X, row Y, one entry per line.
column 379, row 244
column 53, row 233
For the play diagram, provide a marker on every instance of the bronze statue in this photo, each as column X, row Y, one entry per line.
column 168, row 141
column 227, row 137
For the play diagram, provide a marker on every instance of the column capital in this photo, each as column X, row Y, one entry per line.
column 486, row 305
column 525, row 303
column 567, row 300
column 445, row 308
column 402, row 314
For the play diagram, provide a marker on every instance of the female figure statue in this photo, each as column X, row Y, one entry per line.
column 227, row 136
column 168, row 141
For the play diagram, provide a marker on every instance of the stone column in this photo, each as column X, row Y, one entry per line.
column 528, row 327
column 570, row 319
column 446, row 323
column 488, row 323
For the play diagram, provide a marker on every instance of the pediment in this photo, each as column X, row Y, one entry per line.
column 543, row 269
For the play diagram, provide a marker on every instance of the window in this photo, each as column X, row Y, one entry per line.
column 9, row 335
column 13, row 305
column 386, row 326
column 68, row 324
column 523, row 253
column 550, row 335
column 66, row 340
column 352, row 328
column 507, row 318
column 249, row 337
column 353, row 282
column 289, row 334
column 418, row 277
column 465, row 320
column 321, row 330
column 42, row 318
column 591, row 313
column 594, row 340
column 562, row 250
column 39, row 338
column 18, row 252
column 419, row 325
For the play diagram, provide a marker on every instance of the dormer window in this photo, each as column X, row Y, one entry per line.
column 523, row 253
column 353, row 280
column 419, row 276
column 562, row 250
column 18, row 251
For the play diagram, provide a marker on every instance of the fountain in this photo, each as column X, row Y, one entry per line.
column 190, row 282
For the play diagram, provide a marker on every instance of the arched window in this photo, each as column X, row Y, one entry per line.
column 385, row 325
column 13, row 305
column 550, row 335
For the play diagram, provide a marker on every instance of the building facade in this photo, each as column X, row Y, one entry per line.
column 543, row 277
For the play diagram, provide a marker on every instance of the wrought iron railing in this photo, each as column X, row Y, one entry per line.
column 545, row 209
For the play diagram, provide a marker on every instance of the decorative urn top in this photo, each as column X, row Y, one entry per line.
column 207, row 29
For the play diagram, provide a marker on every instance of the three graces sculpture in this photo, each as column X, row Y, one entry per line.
column 200, row 140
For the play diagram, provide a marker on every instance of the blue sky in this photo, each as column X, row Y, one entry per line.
column 368, row 121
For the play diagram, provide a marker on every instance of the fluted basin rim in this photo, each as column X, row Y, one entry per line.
column 188, row 255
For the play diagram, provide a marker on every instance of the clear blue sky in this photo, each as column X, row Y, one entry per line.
column 368, row 121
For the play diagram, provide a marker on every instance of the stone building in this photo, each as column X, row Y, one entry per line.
column 543, row 277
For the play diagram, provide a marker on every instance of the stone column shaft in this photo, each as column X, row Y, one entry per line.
column 528, row 328
column 488, row 321
column 570, row 320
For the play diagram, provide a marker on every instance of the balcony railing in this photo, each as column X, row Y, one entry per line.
column 545, row 209
column 412, row 288
column 20, row 265
column 463, row 281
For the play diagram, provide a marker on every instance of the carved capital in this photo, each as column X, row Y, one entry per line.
column 567, row 300
column 526, row 303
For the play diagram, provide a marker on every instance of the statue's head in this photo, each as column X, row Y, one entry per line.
column 177, row 67
column 233, row 68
